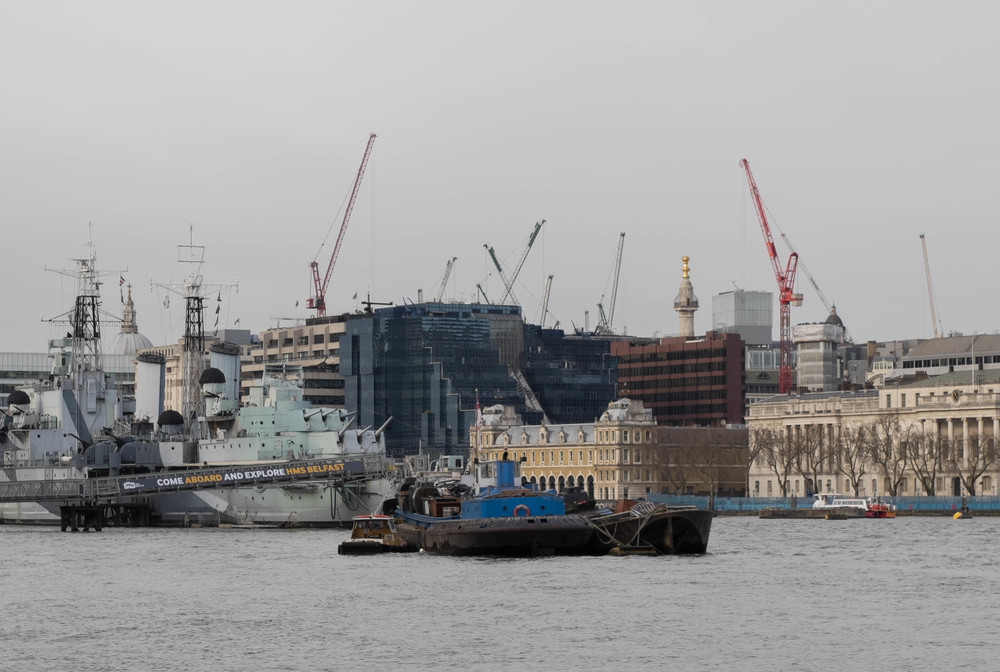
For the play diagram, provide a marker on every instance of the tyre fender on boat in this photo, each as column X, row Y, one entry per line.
column 521, row 507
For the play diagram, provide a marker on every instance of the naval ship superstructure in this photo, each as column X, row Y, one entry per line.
column 276, row 426
column 48, row 424
column 71, row 427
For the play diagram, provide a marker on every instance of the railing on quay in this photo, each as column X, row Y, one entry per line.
column 915, row 505
column 333, row 471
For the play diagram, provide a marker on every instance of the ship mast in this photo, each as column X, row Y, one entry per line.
column 193, row 291
column 84, row 319
column 85, row 370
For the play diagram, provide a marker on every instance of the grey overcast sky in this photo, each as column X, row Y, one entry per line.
column 865, row 124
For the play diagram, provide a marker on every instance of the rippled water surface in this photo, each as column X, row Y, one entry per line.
column 903, row 594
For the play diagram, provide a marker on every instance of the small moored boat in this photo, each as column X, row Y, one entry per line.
column 857, row 507
column 374, row 533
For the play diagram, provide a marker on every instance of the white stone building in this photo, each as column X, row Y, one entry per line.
column 935, row 436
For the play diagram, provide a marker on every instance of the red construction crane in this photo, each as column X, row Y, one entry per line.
column 318, row 299
column 786, row 288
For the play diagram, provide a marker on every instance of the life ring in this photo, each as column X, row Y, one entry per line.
column 522, row 507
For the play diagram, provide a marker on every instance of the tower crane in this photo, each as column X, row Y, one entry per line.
column 442, row 286
column 545, row 301
column 318, row 299
column 930, row 289
column 517, row 269
column 509, row 283
column 786, row 288
column 606, row 319
column 503, row 276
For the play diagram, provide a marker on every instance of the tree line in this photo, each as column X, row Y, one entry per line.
column 883, row 448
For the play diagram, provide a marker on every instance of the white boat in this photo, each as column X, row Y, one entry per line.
column 865, row 507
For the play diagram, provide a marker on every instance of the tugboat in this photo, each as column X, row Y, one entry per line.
column 504, row 519
column 507, row 519
column 374, row 533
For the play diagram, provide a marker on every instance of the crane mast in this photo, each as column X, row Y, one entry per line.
column 442, row 286
column 606, row 319
column 517, row 269
column 503, row 276
column 545, row 301
column 786, row 287
column 318, row 299
column 930, row 289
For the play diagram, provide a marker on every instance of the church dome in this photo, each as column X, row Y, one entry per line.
column 833, row 318
column 129, row 341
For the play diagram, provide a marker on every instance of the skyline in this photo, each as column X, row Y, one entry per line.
column 864, row 127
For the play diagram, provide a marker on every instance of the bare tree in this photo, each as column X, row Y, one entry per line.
column 668, row 460
column 883, row 443
column 713, row 457
column 776, row 453
column 978, row 456
column 925, row 454
column 753, row 454
column 852, row 456
column 811, row 454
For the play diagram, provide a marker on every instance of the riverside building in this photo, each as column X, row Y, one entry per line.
column 424, row 364
column 936, row 436
column 622, row 455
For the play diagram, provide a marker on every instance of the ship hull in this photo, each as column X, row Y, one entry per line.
column 508, row 537
column 663, row 531
column 667, row 530
column 311, row 505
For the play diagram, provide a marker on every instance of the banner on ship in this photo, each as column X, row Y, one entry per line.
column 239, row 476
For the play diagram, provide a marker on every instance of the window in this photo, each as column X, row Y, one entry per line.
column 902, row 401
column 888, row 401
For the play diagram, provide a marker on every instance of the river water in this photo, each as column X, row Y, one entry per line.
column 914, row 593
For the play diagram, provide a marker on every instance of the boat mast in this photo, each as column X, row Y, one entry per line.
column 84, row 320
column 479, row 440
column 193, row 352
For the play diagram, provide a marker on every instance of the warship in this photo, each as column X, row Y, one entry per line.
column 75, row 425
column 47, row 424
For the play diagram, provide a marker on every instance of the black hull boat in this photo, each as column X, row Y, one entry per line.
column 667, row 530
column 509, row 520
column 507, row 537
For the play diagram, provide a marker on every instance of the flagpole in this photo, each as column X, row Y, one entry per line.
column 479, row 439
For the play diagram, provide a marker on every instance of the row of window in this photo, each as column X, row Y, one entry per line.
column 987, row 486
column 950, row 361
column 673, row 355
column 663, row 370
column 604, row 456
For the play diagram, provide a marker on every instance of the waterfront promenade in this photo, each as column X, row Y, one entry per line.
column 982, row 505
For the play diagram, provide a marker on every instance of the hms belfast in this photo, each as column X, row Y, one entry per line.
column 71, row 427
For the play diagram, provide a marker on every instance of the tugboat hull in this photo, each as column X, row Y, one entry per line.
column 511, row 537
